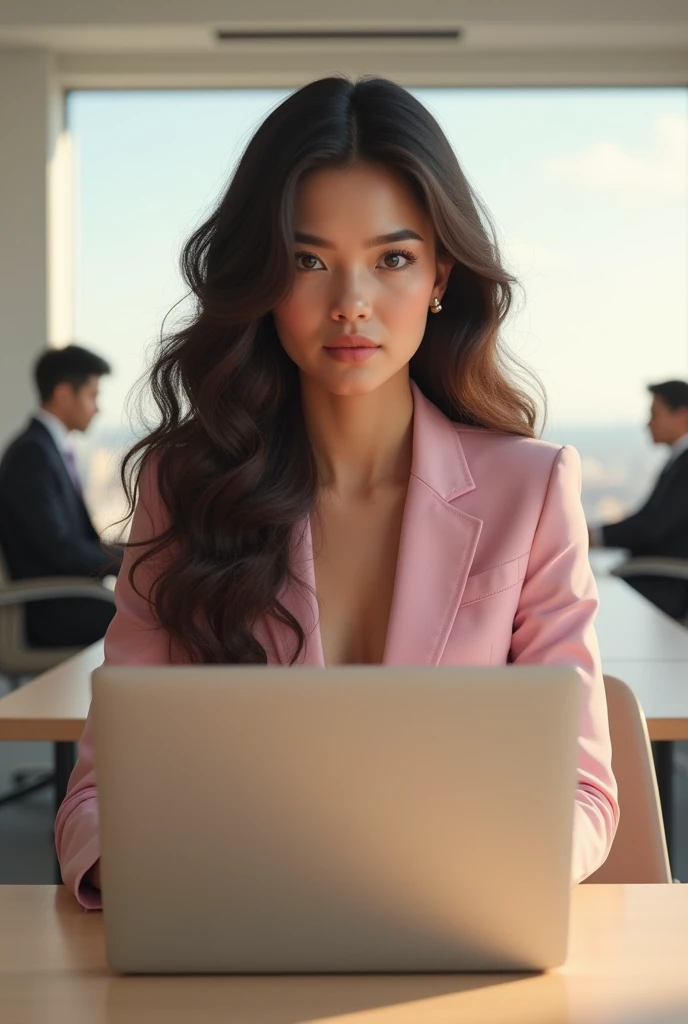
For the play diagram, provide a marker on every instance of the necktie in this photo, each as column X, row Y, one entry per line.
column 72, row 470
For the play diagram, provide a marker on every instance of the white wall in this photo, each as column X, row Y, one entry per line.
column 30, row 109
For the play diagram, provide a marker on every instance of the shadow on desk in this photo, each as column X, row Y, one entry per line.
column 313, row 999
column 626, row 964
column 360, row 999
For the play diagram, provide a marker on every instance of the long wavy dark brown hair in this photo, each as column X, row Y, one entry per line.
column 233, row 463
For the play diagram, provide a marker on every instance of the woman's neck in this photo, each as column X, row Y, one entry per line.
column 361, row 442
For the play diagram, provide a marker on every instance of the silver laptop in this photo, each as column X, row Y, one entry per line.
column 353, row 819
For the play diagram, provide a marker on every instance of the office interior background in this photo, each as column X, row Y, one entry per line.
column 571, row 119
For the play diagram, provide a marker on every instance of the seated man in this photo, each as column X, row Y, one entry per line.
column 660, row 527
column 45, row 528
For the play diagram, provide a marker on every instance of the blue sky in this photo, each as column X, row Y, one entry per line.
column 588, row 189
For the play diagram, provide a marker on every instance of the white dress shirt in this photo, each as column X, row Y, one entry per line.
column 677, row 448
column 57, row 431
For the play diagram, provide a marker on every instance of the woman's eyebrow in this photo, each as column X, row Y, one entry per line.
column 403, row 235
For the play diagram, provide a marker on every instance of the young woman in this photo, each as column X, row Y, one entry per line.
column 343, row 472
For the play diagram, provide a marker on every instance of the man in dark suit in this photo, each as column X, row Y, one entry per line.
column 45, row 528
column 660, row 527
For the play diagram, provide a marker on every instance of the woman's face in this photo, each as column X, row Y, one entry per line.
column 366, row 274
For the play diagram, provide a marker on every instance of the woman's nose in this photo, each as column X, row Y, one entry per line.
column 351, row 301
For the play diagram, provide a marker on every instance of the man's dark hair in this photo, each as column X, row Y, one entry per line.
column 71, row 365
column 673, row 393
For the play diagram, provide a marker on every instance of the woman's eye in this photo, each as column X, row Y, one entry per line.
column 397, row 260
column 307, row 261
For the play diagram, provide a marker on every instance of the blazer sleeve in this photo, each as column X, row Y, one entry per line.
column 33, row 488
column 657, row 521
column 133, row 638
column 554, row 626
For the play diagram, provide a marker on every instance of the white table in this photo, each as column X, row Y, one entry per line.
column 603, row 560
column 630, row 628
column 649, row 651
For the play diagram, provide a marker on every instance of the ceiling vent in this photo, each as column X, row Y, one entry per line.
column 340, row 35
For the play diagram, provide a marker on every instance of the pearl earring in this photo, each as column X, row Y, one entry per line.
column 436, row 306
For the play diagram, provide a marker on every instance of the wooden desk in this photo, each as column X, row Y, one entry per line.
column 627, row 957
column 640, row 644
column 54, row 705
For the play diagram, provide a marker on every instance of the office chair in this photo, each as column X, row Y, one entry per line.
column 639, row 852
column 18, row 659
column 670, row 568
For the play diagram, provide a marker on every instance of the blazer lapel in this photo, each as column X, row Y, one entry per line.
column 302, row 602
column 673, row 467
column 436, row 550
column 57, row 460
column 438, row 542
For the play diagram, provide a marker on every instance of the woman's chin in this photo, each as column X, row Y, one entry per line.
column 352, row 387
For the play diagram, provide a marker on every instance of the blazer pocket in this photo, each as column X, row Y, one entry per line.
column 495, row 579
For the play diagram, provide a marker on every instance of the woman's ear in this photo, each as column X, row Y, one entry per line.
column 444, row 266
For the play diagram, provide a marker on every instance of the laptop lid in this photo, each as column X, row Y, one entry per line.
column 360, row 818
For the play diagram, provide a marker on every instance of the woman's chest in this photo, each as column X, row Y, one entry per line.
column 355, row 550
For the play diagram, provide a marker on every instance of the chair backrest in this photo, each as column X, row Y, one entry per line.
column 11, row 627
column 17, row 658
column 639, row 852
column 4, row 571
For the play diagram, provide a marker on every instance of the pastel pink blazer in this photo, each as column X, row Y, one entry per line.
column 492, row 568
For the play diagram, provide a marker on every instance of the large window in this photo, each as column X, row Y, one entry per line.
column 589, row 192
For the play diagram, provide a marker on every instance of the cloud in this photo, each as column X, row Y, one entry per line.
column 599, row 474
column 529, row 259
column 609, row 167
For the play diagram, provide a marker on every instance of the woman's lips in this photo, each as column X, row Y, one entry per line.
column 352, row 353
